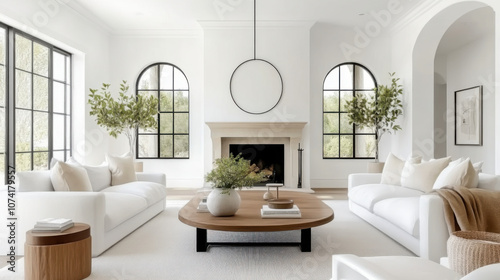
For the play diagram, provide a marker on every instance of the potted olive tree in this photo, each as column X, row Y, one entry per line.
column 125, row 114
column 379, row 111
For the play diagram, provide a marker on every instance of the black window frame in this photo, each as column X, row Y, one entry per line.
column 10, row 102
column 354, row 90
column 157, row 133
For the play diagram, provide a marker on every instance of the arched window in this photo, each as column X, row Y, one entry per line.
column 171, row 138
column 341, row 139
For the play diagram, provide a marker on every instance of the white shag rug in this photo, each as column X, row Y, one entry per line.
column 164, row 248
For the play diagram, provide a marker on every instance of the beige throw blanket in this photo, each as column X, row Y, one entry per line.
column 471, row 209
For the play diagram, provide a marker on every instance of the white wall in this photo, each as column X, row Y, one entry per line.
column 129, row 56
column 283, row 44
column 325, row 54
column 468, row 67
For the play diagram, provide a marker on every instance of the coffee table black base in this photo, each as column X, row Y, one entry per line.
column 202, row 244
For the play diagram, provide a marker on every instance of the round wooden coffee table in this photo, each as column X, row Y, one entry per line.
column 58, row 255
column 248, row 219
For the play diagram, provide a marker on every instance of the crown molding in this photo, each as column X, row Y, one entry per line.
column 158, row 33
column 78, row 9
column 413, row 14
column 239, row 24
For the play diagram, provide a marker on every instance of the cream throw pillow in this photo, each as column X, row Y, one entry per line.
column 393, row 167
column 460, row 174
column 68, row 177
column 122, row 169
column 422, row 176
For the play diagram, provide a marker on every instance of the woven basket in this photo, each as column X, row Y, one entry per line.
column 469, row 250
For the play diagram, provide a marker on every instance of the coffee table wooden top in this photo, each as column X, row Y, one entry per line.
column 314, row 213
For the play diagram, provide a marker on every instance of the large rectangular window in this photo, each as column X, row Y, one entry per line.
column 35, row 102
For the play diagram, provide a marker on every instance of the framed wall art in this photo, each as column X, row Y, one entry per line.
column 469, row 116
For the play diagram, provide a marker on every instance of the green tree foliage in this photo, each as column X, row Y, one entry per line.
column 124, row 114
column 233, row 172
column 379, row 111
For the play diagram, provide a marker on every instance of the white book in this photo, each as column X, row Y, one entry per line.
column 52, row 229
column 267, row 210
column 53, row 222
column 280, row 216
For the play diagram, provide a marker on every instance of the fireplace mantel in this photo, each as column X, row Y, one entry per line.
column 287, row 133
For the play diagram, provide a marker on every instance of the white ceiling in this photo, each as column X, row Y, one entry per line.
column 469, row 27
column 120, row 16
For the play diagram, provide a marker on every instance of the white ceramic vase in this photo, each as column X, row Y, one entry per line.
column 223, row 204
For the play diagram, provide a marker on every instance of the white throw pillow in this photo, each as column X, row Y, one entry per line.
column 459, row 174
column 68, row 177
column 122, row 169
column 422, row 176
column 34, row 181
column 478, row 166
column 99, row 176
column 393, row 167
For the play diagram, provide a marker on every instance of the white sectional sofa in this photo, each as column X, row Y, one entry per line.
column 411, row 216
column 112, row 211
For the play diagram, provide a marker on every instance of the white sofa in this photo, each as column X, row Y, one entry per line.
column 411, row 217
column 112, row 212
column 402, row 267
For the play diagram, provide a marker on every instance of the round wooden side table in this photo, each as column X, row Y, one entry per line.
column 58, row 255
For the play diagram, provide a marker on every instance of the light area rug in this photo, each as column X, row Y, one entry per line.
column 164, row 248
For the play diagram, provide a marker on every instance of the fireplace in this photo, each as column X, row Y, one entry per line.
column 286, row 134
column 268, row 159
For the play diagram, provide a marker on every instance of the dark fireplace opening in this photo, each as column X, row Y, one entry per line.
column 267, row 158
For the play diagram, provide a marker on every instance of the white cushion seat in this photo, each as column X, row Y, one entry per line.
column 368, row 195
column 117, row 212
column 405, row 217
column 389, row 268
column 353, row 267
column 151, row 192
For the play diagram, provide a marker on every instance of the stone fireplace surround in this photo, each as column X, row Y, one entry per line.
column 286, row 133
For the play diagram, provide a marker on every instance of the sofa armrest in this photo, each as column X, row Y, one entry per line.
column 433, row 228
column 352, row 267
column 83, row 207
column 159, row 178
column 357, row 179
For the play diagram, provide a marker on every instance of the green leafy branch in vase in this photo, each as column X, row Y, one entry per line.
column 379, row 111
column 125, row 114
column 233, row 172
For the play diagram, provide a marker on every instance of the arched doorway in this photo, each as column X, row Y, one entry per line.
column 423, row 75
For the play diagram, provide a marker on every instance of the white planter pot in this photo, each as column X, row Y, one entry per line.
column 223, row 204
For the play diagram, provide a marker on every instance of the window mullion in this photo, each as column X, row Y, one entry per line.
column 10, row 104
column 50, row 107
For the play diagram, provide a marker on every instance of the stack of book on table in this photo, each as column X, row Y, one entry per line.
column 271, row 213
column 53, row 225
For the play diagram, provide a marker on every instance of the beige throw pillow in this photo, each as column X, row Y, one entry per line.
column 393, row 167
column 460, row 174
column 68, row 177
column 122, row 169
column 422, row 176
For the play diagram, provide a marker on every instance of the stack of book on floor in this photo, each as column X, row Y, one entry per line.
column 271, row 213
column 53, row 225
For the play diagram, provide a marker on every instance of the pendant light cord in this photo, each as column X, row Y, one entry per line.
column 254, row 30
